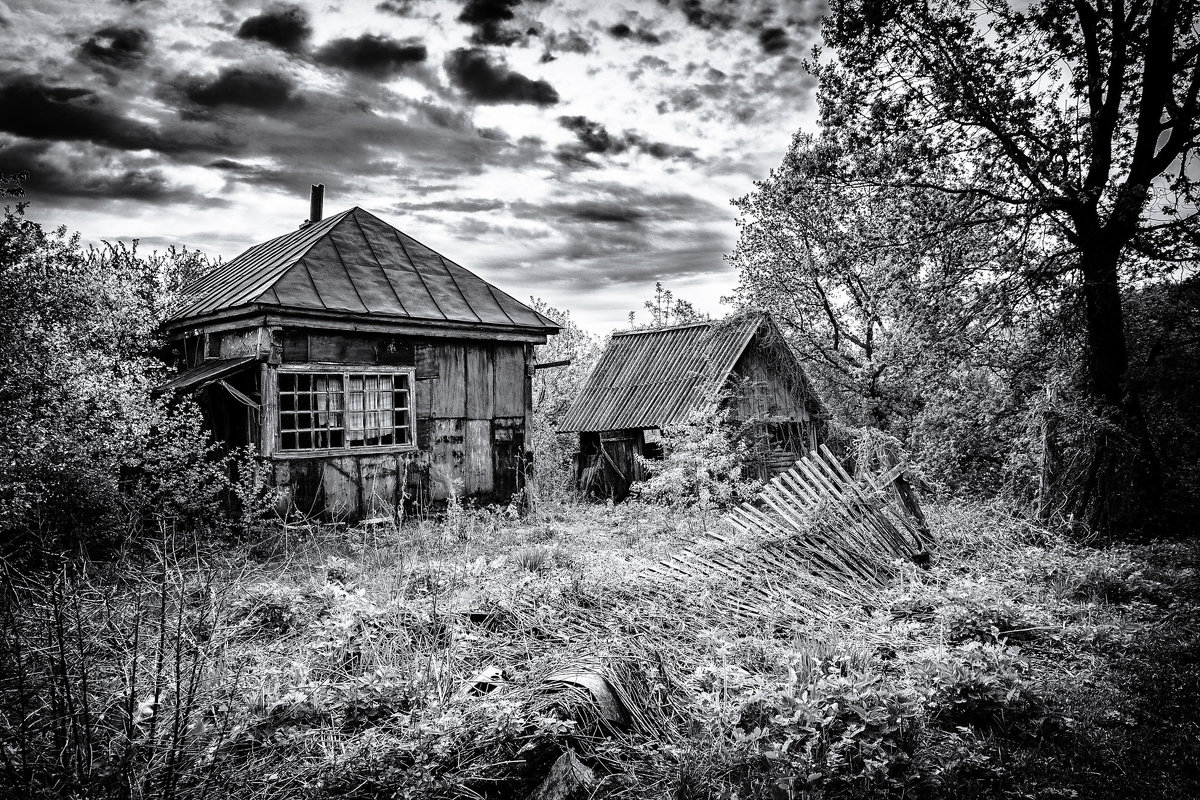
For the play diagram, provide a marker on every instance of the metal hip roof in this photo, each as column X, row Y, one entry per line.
column 355, row 263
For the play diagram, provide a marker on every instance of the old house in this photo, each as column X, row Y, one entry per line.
column 370, row 370
column 649, row 379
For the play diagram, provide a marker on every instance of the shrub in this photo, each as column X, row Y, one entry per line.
column 107, row 693
column 704, row 463
column 845, row 732
column 89, row 460
column 981, row 686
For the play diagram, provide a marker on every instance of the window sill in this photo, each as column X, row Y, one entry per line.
column 342, row 452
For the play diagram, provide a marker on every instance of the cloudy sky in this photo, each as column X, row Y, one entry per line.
column 574, row 150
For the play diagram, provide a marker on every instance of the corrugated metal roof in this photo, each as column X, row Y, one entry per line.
column 206, row 373
column 652, row 378
column 355, row 263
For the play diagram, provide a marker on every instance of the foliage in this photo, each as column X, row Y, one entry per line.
column 414, row 663
column 666, row 309
column 1065, row 134
column 874, row 307
column 979, row 685
column 703, row 462
column 553, row 390
column 842, row 731
column 113, row 691
column 89, row 457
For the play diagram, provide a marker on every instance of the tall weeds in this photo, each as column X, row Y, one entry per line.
column 112, row 680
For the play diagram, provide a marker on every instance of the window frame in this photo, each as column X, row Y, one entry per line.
column 345, row 371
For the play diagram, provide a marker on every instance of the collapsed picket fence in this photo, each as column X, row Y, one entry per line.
column 816, row 542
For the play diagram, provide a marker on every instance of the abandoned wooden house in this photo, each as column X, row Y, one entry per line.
column 369, row 369
column 648, row 380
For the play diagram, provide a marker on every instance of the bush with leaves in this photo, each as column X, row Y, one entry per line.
column 704, row 462
column 982, row 686
column 554, row 389
column 87, row 455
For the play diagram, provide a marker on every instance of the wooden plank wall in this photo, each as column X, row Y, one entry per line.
column 769, row 395
column 767, row 392
column 473, row 405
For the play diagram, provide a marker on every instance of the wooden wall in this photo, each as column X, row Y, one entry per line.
column 770, row 391
column 607, row 466
column 765, row 390
column 472, row 404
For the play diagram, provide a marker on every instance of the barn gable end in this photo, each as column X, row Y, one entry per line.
column 648, row 380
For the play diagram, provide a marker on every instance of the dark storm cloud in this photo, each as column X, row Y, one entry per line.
column 35, row 110
column 619, row 207
column 55, row 177
column 773, row 40
column 606, row 238
column 593, row 138
column 623, row 31
column 463, row 205
column 602, row 211
column 371, row 54
column 237, row 86
column 391, row 143
column 116, row 47
column 284, row 26
column 492, row 83
column 622, row 257
column 488, row 18
column 272, row 177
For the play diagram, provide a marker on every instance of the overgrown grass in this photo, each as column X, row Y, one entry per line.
column 463, row 656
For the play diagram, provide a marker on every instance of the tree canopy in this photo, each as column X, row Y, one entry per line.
column 1075, row 122
column 987, row 184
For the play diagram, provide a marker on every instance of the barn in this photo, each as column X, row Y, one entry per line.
column 370, row 370
column 647, row 380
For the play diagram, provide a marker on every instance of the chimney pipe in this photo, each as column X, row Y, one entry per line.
column 316, row 203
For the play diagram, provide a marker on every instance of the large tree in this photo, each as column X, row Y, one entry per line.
column 877, row 306
column 1074, row 122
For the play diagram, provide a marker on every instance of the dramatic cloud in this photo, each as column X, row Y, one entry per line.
column 569, row 42
column 227, row 111
column 488, row 17
column 492, row 83
column 87, row 178
column 401, row 8
column 593, row 137
column 371, row 54
column 601, row 211
column 623, row 31
column 773, row 40
column 248, row 88
column 116, row 47
column 283, row 26
column 34, row 110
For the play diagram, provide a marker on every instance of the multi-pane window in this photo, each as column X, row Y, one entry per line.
column 344, row 410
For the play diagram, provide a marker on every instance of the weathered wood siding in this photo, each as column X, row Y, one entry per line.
column 764, row 390
column 472, row 404
column 769, row 393
column 608, row 464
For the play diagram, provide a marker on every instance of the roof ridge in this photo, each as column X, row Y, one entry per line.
column 228, row 270
column 732, row 319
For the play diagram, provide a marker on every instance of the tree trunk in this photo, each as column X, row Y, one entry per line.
column 1107, row 356
column 1119, row 490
